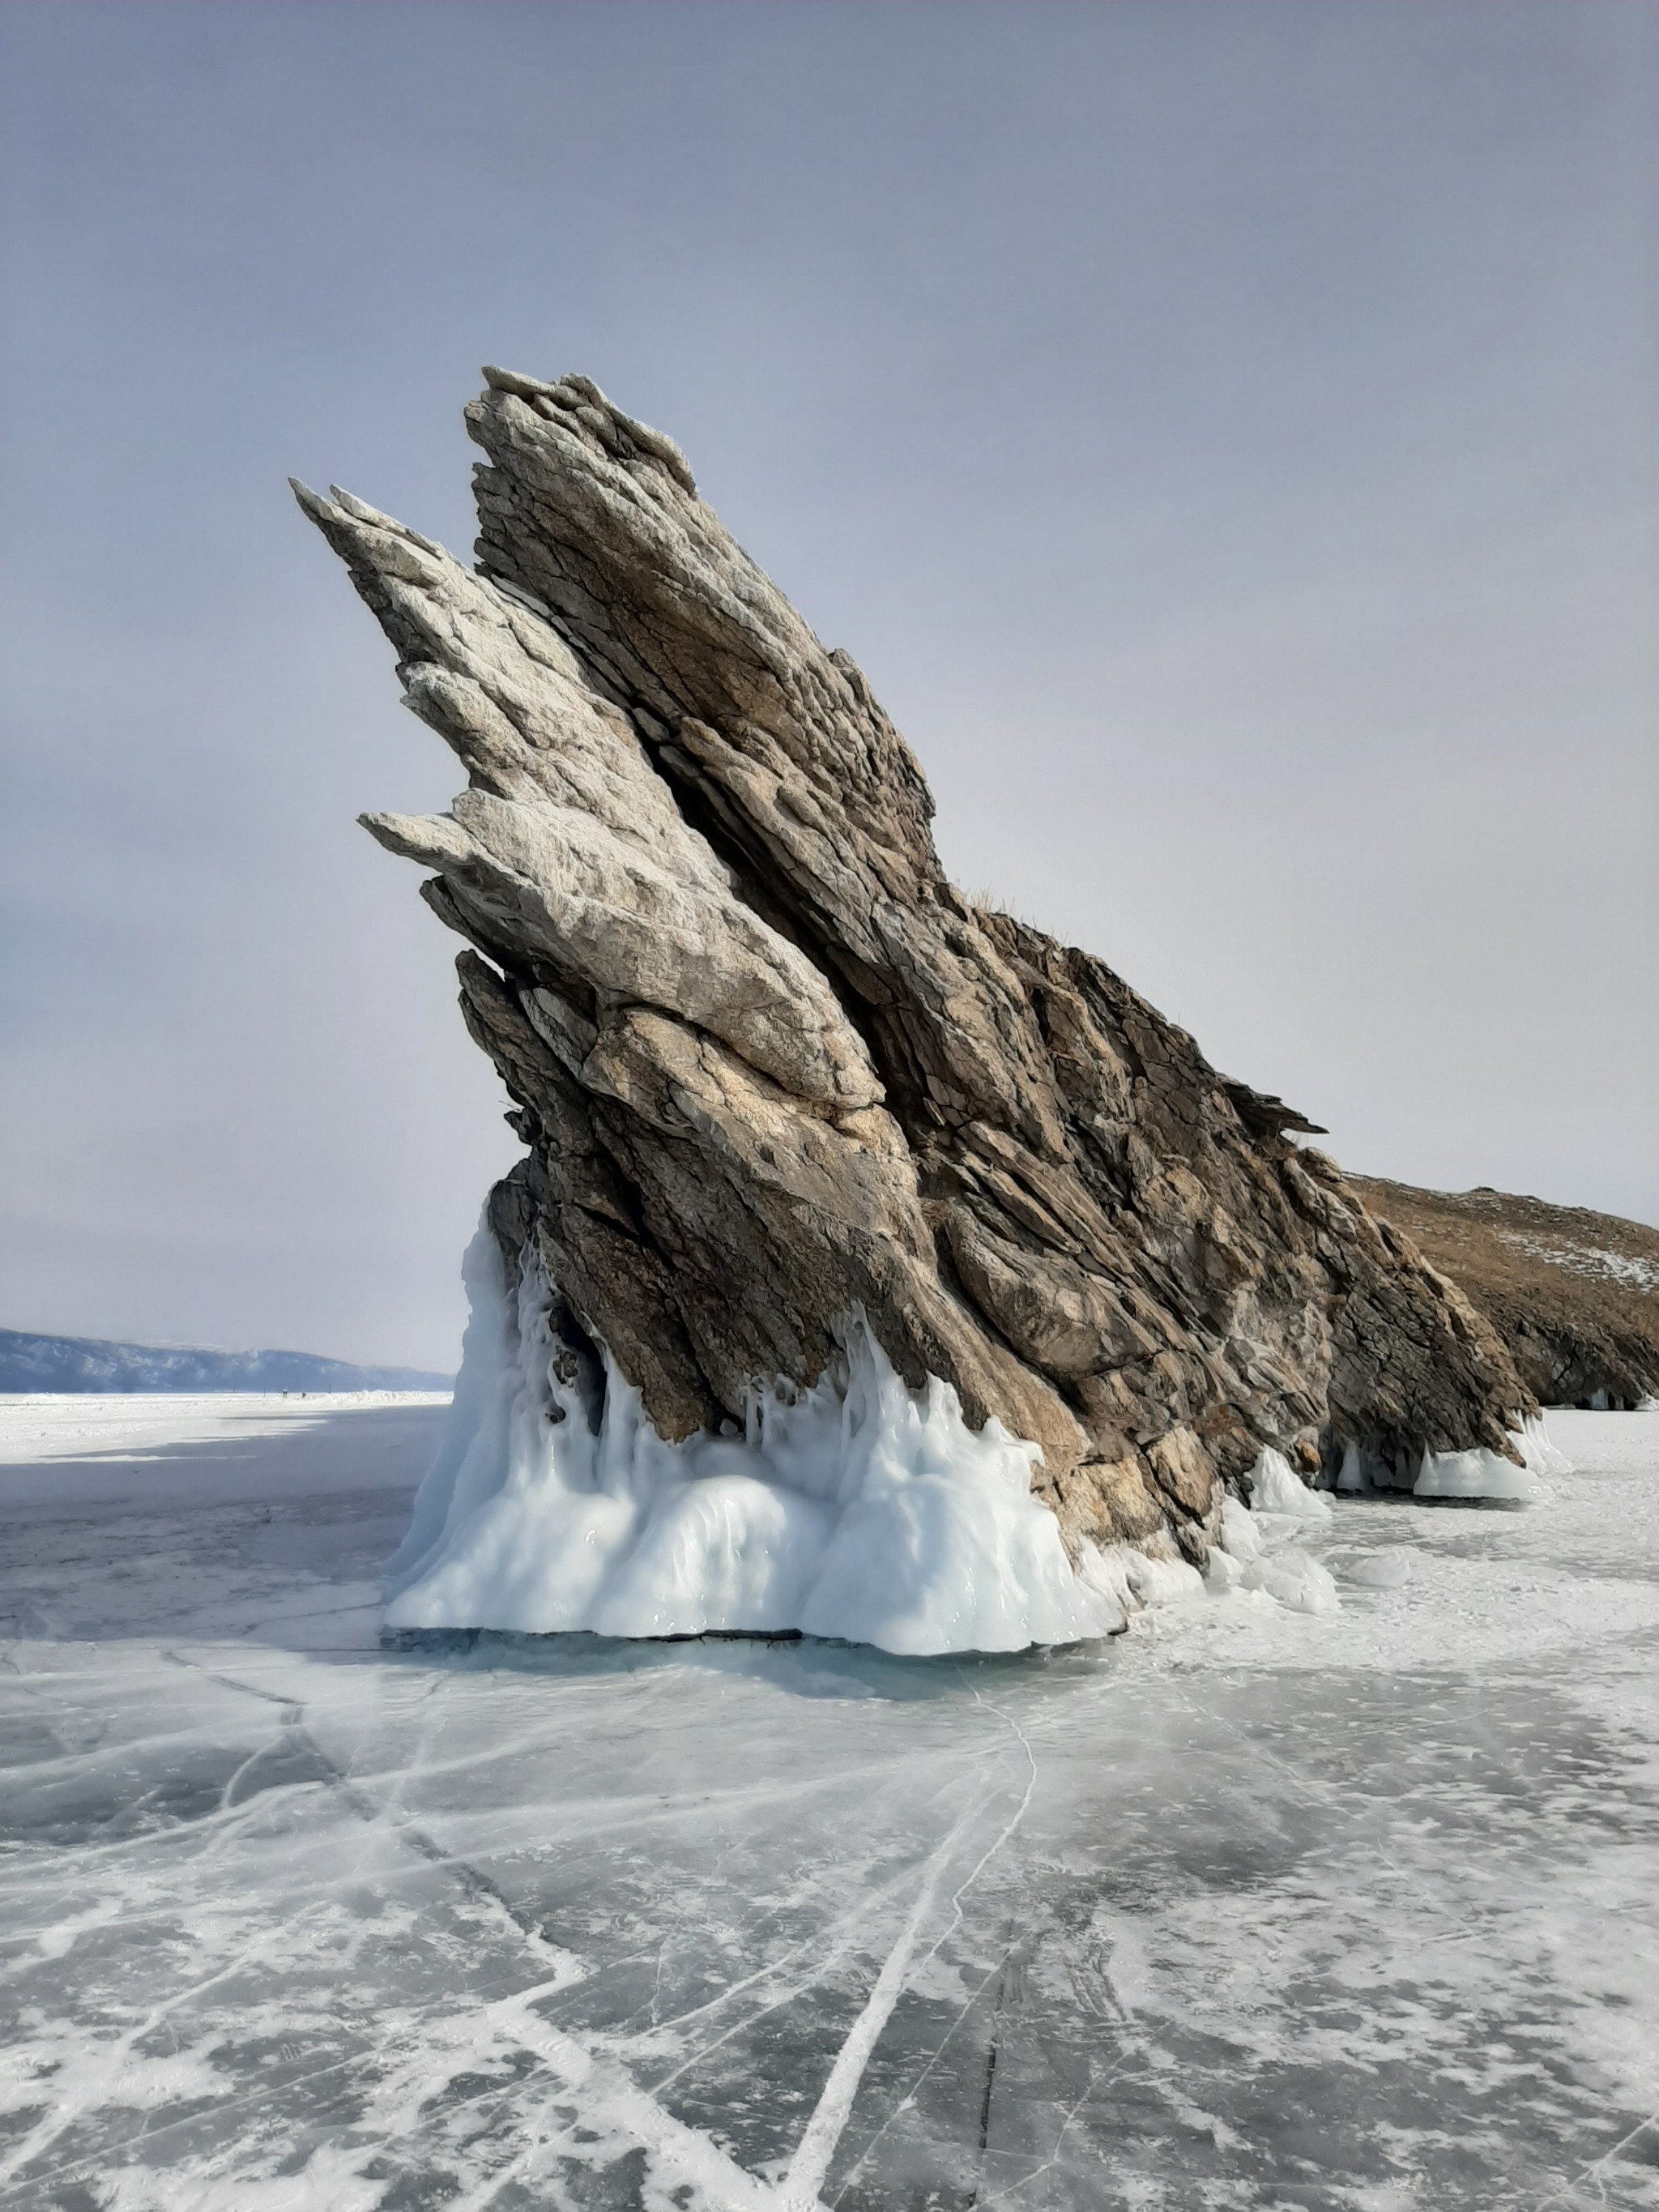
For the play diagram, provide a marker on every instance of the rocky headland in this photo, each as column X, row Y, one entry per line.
column 1574, row 1295
column 786, row 1092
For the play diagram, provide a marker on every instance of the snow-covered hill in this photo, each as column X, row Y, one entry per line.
column 82, row 1363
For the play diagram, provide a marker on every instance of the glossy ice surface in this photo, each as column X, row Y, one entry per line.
column 1247, row 1908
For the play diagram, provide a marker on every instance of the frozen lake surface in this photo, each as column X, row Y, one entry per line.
column 1246, row 1908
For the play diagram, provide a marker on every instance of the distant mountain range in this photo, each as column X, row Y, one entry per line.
column 88, row 1364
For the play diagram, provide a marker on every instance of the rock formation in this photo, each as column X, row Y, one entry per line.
column 1574, row 1295
column 772, row 1068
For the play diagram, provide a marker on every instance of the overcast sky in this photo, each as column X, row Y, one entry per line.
column 1223, row 433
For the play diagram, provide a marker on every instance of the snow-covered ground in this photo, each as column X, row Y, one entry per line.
column 1592, row 1260
column 1248, row 1908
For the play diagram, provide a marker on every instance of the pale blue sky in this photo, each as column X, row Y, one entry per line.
column 1224, row 432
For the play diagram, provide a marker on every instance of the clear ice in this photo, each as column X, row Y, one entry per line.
column 1249, row 1907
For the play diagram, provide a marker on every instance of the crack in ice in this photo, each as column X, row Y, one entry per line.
column 809, row 2166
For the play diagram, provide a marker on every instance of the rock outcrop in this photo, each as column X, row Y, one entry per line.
column 771, row 1068
column 1574, row 1295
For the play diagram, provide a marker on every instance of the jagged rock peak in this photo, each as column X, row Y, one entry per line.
column 771, row 1068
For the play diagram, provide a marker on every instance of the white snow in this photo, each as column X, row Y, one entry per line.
column 1159, row 1582
column 78, row 1448
column 1224, row 1570
column 860, row 1510
column 1471, row 1474
column 1594, row 1261
column 1259, row 1552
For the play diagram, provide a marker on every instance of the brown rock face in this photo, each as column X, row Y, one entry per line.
column 1574, row 1295
column 770, row 1065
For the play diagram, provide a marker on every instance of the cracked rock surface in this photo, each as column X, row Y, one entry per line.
column 770, row 1065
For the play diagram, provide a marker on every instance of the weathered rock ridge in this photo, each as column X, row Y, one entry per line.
column 1573, row 1294
column 771, row 1066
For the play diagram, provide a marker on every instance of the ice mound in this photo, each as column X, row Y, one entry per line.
column 1542, row 1456
column 1477, row 1473
column 860, row 1510
column 1385, row 1569
column 1222, row 1571
column 1131, row 1581
column 1300, row 1583
column 1481, row 1473
column 1276, row 1488
column 1239, row 1532
column 1474, row 1473
column 1255, row 1552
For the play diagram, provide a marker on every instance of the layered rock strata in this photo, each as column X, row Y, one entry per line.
column 1573, row 1294
column 772, row 1069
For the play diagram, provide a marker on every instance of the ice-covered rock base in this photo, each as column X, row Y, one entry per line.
column 1477, row 1474
column 860, row 1510
column 1259, row 1550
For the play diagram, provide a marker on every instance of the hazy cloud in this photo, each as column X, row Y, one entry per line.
column 1223, row 433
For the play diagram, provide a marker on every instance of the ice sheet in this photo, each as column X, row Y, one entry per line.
column 1249, row 1908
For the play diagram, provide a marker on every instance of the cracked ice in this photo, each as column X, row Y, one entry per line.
column 1250, row 1907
